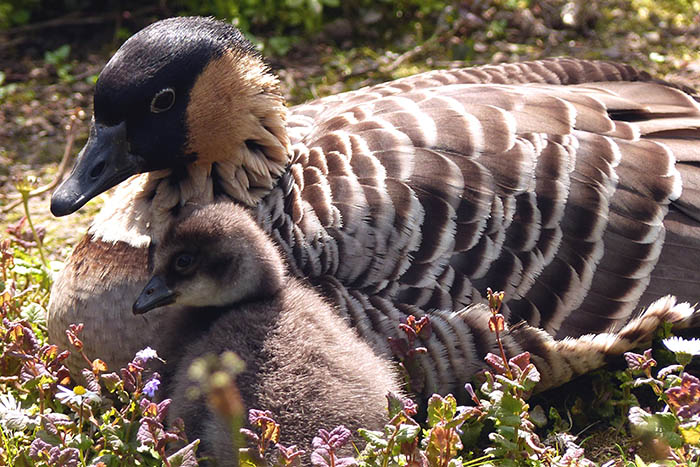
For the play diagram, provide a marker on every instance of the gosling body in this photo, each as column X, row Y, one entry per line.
column 302, row 361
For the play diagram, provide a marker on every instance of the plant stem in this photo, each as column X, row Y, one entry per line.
column 25, row 202
column 503, row 355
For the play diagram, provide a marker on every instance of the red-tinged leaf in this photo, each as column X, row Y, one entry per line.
column 49, row 352
column 287, row 455
column 90, row 380
column 151, row 410
column 62, row 356
column 441, row 409
column 495, row 300
column 145, row 434
column 251, row 435
column 16, row 332
column 98, row 366
column 495, row 362
column 74, row 340
column 271, row 432
column 521, row 360
column 185, row 457
column 163, row 408
column 399, row 347
column 424, row 328
column 111, row 380
column 408, row 329
column 497, row 323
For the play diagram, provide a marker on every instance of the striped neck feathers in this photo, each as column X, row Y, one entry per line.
column 236, row 124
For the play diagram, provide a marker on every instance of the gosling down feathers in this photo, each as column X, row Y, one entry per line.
column 572, row 185
column 303, row 362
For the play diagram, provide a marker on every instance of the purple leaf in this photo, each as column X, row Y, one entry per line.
column 320, row 458
column 37, row 447
column 339, row 437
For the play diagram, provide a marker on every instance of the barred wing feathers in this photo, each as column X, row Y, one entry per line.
column 416, row 195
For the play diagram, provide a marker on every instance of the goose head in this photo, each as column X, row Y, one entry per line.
column 182, row 91
column 216, row 257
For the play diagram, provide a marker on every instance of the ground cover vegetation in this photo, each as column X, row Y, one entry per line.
column 642, row 411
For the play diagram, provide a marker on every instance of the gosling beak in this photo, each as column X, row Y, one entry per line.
column 154, row 295
column 104, row 162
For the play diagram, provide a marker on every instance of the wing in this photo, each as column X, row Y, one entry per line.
column 425, row 193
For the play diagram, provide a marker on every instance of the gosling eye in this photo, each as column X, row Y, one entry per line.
column 184, row 262
column 163, row 100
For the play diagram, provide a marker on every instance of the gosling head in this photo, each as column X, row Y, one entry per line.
column 180, row 91
column 216, row 257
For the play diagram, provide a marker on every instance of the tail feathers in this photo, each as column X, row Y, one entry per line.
column 559, row 361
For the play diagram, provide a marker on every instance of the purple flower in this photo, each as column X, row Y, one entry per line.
column 151, row 386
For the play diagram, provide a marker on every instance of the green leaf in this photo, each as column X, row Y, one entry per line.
column 538, row 416
column 471, row 433
column 34, row 313
column 247, row 458
column 53, row 440
column 395, row 405
column 112, row 381
column 280, row 45
column 186, row 456
column 375, row 438
column 691, row 433
column 407, row 433
column 112, row 438
column 18, row 420
column 441, row 409
column 81, row 442
column 511, row 404
column 110, row 460
column 57, row 56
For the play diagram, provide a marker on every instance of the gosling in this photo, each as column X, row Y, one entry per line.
column 302, row 361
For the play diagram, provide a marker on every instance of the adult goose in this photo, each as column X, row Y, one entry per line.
column 572, row 185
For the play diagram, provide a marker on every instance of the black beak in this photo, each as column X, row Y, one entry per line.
column 104, row 162
column 154, row 295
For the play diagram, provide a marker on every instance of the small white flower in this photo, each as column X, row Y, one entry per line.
column 679, row 345
column 12, row 416
column 76, row 396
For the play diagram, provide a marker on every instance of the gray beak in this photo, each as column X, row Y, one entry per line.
column 104, row 162
column 154, row 295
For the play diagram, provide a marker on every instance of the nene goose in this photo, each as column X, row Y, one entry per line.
column 303, row 362
column 572, row 185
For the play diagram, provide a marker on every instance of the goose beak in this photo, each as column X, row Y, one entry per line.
column 104, row 162
column 154, row 295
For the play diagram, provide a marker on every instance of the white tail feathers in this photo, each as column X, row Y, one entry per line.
column 561, row 360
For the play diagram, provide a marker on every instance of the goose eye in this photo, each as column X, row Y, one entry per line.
column 183, row 261
column 163, row 100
